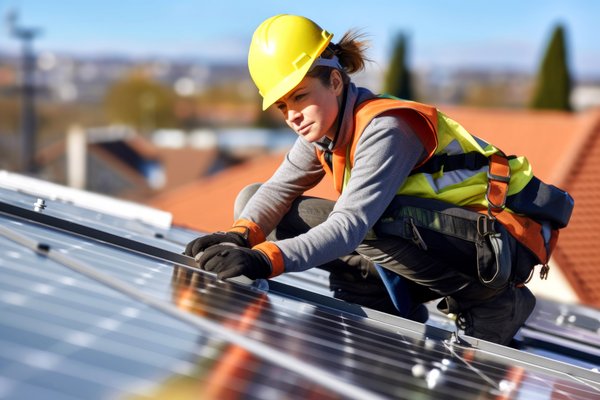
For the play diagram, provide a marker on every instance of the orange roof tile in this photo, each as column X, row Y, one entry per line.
column 578, row 251
column 548, row 138
column 207, row 204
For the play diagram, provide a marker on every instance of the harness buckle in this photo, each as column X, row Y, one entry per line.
column 500, row 178
column 485, row 225
column 492, row 205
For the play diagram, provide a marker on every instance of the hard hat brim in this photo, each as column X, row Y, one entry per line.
column 292, row 80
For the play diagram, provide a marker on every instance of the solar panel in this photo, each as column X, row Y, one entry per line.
column 101, row 310
column 569, row 332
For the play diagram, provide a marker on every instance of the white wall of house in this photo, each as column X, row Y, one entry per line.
column 556, row 287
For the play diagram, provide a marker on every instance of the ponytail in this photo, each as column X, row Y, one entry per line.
column 350, row 51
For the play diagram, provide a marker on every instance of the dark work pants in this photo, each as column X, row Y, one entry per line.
column 437, row 272
column 352, row 278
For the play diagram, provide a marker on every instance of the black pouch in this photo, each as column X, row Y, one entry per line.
column 441, row 227
column 543, row 202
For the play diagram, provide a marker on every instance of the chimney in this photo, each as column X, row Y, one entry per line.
column 76, row 157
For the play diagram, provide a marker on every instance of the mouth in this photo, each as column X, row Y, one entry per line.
column 304, row 129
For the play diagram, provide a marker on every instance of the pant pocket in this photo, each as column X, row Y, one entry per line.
column 494, row 264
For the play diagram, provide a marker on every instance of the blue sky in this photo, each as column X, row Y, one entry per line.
column 443, row 33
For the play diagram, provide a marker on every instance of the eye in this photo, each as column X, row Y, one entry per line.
column 280, row 107
column 299, row 96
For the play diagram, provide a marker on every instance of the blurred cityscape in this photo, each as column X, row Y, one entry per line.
column 131, row 112
column 184, row 135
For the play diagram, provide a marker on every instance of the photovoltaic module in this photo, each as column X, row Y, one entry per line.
column 96, row 305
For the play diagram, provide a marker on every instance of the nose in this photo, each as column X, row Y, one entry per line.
column 293, row 115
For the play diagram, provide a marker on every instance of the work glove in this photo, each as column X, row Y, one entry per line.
column 202, row 243
column 228, row 261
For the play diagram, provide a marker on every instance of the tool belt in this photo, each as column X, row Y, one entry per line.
column 434, row 225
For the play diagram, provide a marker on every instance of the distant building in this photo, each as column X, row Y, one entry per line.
column 117, row 162
column 586, row 96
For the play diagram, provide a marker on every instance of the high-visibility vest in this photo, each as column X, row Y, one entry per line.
column 468, row 187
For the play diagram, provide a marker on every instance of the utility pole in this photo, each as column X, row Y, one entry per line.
column 28, row 115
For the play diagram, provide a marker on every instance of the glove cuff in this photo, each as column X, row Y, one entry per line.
column 273, row 253
column 249, row 230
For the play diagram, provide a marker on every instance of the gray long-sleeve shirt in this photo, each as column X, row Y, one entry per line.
column 385, row 154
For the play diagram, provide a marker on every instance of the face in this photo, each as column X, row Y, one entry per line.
column 311, row 108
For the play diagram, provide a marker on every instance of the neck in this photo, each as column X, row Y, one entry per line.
column 340, row 116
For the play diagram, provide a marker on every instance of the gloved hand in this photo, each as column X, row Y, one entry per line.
column 202, row 243
column 228, row 261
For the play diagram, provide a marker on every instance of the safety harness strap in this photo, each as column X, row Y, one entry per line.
column 526, row 230
column 498, row 180
column 473, row 160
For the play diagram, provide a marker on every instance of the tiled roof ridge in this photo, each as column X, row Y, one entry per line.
column 590, row 126
column 576, row 253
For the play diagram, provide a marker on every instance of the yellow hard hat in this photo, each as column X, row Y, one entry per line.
column 283, row 49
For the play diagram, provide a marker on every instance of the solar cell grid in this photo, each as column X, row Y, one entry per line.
column 68, row 335
column 113, row 350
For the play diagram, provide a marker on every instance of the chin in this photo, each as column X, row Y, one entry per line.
column 313, row 137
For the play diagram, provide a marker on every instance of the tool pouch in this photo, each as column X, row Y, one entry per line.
column 445, row 229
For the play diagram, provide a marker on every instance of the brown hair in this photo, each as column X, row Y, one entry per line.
column 350, row 50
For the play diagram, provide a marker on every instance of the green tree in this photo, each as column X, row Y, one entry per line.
column 553, row 84
column 398, row 81
column 140, row 102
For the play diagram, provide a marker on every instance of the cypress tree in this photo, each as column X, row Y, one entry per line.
column 553, row 85
column 398, row 80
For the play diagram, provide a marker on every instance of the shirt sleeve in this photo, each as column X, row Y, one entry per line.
column 299, row 171
column 385, row 154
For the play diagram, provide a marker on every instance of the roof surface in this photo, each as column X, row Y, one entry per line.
column 562, row 148
column 207, row 204
column 98, row 306
column 578, row 252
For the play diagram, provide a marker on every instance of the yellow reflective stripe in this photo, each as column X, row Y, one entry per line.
column 462, row 187
column 449, row 130
column 445, row 179
column 470, row 191
column 521, row 174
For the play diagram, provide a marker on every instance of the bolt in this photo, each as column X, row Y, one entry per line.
column 39, row 205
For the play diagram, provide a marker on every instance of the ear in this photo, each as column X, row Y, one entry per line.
column 336, row 82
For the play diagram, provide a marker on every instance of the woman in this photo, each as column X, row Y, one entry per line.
column 379, row 153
